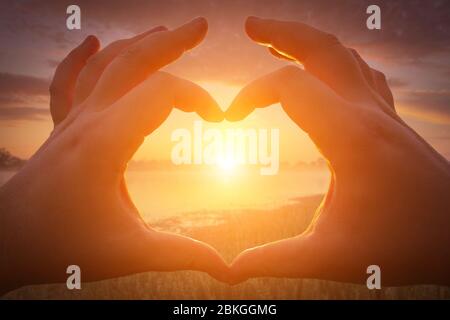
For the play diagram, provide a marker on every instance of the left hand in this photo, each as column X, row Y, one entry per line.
column 69, row 204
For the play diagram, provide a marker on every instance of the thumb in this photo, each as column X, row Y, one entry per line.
column 146, row 107
column 289, row 258
column 173, row 252
column 313, row 106
column 66, row 75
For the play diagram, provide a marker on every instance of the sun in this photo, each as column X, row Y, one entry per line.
column 226, row 164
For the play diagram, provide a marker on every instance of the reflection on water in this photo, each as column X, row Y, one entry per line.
column 159, row 194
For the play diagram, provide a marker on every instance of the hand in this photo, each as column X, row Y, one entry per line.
column 388, row 202
column 69, row 204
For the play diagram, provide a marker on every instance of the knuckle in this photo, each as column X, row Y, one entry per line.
column 129, row 53
column 354, row 53
column 86, row 136
column 115, row 48
column 130, row 57
column 380, row 76
column 330, row 40
column 117, row 45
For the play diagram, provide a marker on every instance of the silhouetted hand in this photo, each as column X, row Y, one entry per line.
column 69, row 204
column 388, row 203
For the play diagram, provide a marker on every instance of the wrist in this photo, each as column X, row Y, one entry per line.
column 9, row 273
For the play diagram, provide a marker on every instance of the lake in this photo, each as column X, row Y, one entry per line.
column 160, row 194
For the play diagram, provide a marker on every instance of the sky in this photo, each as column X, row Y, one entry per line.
column 412, row 49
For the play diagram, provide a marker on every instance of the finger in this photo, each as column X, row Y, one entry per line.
column 66, row 74
column 172, row 252
column 93, row 69
column 366, row 70
column 289, row 258
column 316, row 109
column 163, row 91
column 144, row 57
column 145, row 108
column 277, row 54
column 262, row 92
column 304, row 98
column 321, row 53
column 383, row 88
column 190, row 97
column 378, row 83
column 98, row 63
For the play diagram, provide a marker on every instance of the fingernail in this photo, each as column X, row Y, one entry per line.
column 251, row 22
column 252, row 19
column 199, row 21
column 91, row 43
column 159, row 28
column 89, row 39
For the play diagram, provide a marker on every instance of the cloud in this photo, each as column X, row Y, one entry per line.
column 22, row 84
column 412, row 30
column 414, row 34
column 18, row 96
column 23, row 113
column 395, row 83
column 428, row 105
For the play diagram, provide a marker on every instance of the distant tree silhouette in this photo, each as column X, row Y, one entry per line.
column 8, row 161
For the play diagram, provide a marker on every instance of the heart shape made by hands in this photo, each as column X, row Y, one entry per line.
column 104, row 103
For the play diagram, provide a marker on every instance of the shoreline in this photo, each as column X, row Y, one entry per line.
column 185, row 222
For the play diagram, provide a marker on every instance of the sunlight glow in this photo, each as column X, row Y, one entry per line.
column 226, row 164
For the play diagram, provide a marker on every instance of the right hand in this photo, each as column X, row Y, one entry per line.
column 388, row 201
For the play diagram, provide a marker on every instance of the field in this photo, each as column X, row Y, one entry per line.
column 230, row 233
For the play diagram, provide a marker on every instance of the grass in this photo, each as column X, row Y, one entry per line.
column 230, row 233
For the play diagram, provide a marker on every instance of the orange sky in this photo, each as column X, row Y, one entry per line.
column 413, row 53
